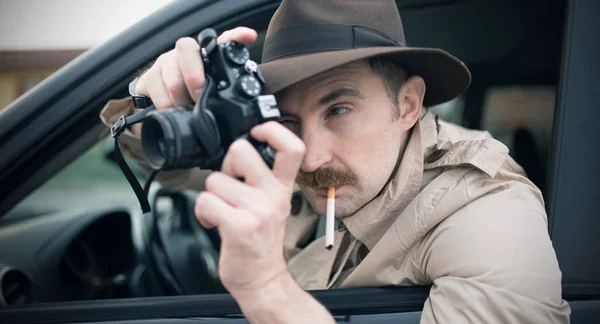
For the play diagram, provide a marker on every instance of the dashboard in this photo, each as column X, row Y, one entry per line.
column 66, row 256
column 98, row 261
column 110, row 252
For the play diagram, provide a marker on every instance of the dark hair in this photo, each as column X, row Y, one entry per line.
column 393, row 75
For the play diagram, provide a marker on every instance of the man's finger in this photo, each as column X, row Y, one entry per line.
column 290, row 149
column 242, row 35
column 151, row 85
column 187, row 51
column 211, row 211
column 243, row 161
column 173, row 80
column 234, row 192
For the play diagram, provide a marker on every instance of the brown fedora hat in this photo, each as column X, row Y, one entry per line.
column 308, row 37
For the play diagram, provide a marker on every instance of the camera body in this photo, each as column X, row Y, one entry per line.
column 229, row 106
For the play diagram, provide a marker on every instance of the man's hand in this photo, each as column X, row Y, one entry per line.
column 251, row 215
column 177, row 76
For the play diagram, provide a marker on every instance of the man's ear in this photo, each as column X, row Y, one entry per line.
column 410, row 99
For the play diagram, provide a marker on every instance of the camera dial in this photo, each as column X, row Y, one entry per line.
column 237, row 53
column 249, row 86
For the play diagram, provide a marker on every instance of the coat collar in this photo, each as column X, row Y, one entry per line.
column 370, row 222
column 429, row 137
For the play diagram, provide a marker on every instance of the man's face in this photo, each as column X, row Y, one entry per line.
column 353, row 137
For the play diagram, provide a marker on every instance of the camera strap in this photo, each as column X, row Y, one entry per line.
column 117, row 129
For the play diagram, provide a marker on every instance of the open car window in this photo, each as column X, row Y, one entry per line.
column 92, row 180
column 522, row 116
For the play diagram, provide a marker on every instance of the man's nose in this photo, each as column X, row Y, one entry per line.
column 318, row 151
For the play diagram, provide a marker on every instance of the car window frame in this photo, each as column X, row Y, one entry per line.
column 46, row 128
column 339, row 302
column 573, row 201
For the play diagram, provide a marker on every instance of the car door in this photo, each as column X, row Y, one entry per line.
column 573, row 194
column 45, row 130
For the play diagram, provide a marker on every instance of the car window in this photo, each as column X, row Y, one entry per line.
column 521, row 117
column 91, row 180
column 451, row 111
column 508, row 109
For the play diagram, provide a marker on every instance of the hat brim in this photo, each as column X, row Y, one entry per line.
column 445, row 76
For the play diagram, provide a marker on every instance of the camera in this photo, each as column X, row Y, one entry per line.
column 229, row 106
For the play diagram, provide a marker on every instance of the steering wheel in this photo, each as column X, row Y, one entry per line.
column 182, row 254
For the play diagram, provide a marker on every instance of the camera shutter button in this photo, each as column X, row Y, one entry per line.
column 249, row 86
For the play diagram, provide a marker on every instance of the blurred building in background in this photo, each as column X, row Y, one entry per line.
column 37, row 37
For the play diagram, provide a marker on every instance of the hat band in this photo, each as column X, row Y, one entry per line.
column 305, row 39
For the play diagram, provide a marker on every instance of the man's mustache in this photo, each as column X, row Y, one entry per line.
column 324, row 178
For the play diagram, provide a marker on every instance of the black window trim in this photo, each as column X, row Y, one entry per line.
column 339, row 302
column 574, row 169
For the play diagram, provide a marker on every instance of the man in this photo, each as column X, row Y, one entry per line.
column 420, row 201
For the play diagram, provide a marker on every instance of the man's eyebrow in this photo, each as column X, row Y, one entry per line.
column 338, row 93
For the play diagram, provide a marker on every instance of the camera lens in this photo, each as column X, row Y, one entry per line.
column 154, row 141
column 168, row 140
column 161, row 148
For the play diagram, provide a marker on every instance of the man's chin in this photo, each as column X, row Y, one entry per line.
column 318, row 204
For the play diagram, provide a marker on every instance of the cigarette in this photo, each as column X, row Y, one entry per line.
column 330, row 221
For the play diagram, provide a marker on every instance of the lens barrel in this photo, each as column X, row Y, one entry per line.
column 168, row 140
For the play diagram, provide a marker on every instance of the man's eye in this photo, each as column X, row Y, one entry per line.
column 287, row 122
column 334, row 111
column 292, row 125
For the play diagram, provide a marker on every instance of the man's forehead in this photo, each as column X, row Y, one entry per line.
column 310, row 90
column 348, row 71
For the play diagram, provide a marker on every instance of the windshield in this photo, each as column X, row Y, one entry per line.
column 93, row 179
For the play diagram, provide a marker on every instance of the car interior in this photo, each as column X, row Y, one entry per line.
column 74, row 230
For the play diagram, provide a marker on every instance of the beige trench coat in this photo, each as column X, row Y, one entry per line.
column 465, row 220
